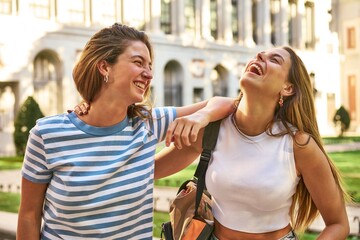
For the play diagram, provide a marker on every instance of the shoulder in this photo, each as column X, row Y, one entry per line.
column 307, row 152
column 52, row 119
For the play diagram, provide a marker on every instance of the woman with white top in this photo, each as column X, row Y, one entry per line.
column 269, row 175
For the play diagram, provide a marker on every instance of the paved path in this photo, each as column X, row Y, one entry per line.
column 10, row 181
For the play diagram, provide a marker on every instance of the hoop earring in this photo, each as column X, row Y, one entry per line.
column 106, row 78
column 281, row 101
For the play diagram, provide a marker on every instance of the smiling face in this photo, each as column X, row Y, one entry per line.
column 267, row 74
column 130, row 76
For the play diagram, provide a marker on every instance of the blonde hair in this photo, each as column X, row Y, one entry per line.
column 108, row 44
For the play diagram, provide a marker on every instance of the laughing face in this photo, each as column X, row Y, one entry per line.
column 268, row 72
column 131, row 74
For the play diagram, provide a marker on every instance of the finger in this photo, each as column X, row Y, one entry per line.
column 194, row 133
column 77, row 110
column 169, row 133
column 83, row 108
column 177, row 136
column 185, row 138
column 87, row 105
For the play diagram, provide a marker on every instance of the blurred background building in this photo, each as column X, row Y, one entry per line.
column 201, row 48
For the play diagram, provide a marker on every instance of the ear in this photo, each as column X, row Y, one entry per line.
column 102, row 66
column 288, row 90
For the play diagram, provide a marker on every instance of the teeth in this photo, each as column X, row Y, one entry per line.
column 140, row 85
column 258, row 68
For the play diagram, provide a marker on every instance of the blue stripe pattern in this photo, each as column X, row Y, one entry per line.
column 100, row 178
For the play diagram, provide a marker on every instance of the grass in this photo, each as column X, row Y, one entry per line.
column 9, row 202
column 10, row 163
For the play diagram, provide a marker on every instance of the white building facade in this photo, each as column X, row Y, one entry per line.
column 346, row 21
column 200, row 48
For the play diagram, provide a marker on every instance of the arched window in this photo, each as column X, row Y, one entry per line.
column 173, row 84
column 165, row 18
column 47, row 82
column 214, row 19
column 219, row 79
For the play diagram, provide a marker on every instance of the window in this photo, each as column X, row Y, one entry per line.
column 218, row 79
column 351, row 38
column 274, row 18
column 6, row 7
column 213, row 19
column 44, row 70
column 190, row 16
column 76, row 11
column 352, row 96
column 198, row 95
column 165, row 18
column 173, row 80
column 234, row 20
column 331, row 106
column 47, row 82
column 108, row 8
column 40, row 8
column 309, row 31
column 135, row 18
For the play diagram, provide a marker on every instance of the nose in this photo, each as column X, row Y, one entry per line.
column 147, row 74
column 260, row 56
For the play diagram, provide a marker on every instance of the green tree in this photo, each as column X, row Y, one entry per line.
column 342, row 119
column 25, row 119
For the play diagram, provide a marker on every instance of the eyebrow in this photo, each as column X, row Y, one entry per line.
column 278, row 55
column 142, row 58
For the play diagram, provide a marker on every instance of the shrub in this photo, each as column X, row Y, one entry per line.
column 25, row 119
column 342, row 118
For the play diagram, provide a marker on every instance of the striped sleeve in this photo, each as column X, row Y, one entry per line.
column 161, row 119
column 35, row 167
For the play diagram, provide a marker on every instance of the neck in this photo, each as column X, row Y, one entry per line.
column 252, row 119
column 105, row 114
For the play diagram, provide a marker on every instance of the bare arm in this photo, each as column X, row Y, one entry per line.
column 190, row 119
column 31, row 206
column 316, row 172
column 171, row 159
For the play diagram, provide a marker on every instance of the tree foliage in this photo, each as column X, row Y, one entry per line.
column 25, row 120
column 342, row 119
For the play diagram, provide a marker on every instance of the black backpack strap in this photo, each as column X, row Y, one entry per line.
column 208, row 143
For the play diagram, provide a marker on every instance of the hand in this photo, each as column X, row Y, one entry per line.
column 81, row 109
column 184, row 130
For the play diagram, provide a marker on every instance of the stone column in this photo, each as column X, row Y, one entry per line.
column 245, row 23
column 300, row 43
column 227, row 35
column 205, row 19
column 178, row 16
column 284, row 25
column 155, row 12
column 264, row 24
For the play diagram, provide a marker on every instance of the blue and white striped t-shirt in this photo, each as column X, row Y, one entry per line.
column 100, row 178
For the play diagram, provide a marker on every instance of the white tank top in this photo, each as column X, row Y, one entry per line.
column 252, row 180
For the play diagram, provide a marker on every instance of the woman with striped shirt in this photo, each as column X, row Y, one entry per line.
column 91, row 176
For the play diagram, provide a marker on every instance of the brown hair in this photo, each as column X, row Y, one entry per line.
column 108, row 44
column 299, row 110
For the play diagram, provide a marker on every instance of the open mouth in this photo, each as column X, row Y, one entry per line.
column 256, row 69
column 140, row 85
